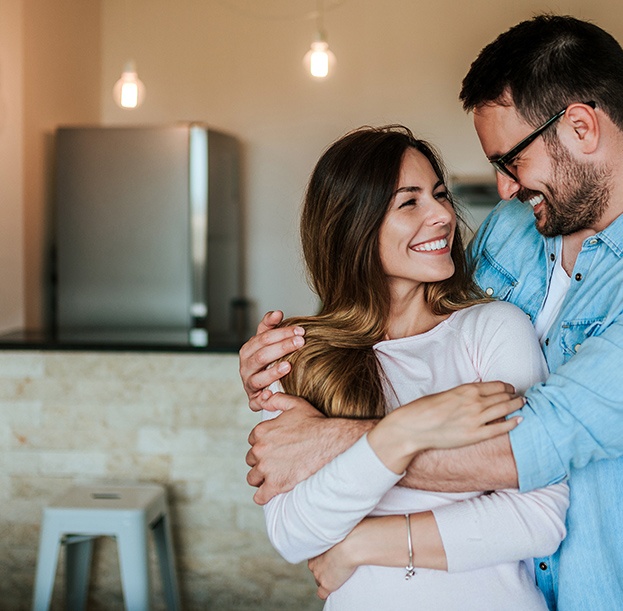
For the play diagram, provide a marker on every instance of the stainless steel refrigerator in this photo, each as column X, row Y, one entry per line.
column 147, row 236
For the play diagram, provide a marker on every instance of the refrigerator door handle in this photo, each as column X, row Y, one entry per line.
column 198, row 191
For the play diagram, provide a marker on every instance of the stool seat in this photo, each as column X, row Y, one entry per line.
column 128, row 513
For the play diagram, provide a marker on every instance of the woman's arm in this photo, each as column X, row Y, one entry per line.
column 504, row 526
column 320, row 511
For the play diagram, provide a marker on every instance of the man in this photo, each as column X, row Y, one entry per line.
column 547, row 98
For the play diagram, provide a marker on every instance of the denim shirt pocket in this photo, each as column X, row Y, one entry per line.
column 574, row 332
column 493, row 279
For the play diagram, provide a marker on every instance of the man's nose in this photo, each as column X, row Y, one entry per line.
column 507, row 187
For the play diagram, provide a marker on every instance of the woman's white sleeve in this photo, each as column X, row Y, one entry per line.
column 320, row 511
column 505, row 525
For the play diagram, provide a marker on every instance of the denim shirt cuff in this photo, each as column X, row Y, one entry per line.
column 537, row 459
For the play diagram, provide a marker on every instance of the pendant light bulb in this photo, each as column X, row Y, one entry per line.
column 129, row 91
column 319, row 59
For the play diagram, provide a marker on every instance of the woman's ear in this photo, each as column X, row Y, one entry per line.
column 580, row 128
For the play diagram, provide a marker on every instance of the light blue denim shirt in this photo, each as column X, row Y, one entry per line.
column 573, row 423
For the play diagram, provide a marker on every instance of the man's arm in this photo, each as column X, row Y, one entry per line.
column 488, row 465
column 288, row 449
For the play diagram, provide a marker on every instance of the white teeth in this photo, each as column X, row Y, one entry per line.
column 435, row 245
column 536, row 200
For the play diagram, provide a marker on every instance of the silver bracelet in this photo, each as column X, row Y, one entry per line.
column 410, row 568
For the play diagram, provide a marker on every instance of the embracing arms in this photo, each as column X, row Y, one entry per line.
column 321, row 510
column 281, row 455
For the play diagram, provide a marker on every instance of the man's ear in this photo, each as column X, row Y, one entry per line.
column 580, row 128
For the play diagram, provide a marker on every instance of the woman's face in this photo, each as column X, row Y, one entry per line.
column 416, row 236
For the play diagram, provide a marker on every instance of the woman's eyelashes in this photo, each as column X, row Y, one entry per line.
column 441, row 195
column 410, row 202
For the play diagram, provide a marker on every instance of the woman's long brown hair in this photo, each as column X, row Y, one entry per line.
column 347, row 198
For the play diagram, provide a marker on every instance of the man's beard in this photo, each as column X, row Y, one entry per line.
column 576, row 197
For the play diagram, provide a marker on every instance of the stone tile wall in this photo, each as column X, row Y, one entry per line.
column 173, row 418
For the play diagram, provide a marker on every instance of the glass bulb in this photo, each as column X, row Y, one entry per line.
column 319, row 59
column 129, row 91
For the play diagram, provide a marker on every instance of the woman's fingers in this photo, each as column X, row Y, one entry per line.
column 486, row 389
column 502, row 408
column 498, row 428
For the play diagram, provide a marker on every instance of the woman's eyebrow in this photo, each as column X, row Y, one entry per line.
column 415, row 189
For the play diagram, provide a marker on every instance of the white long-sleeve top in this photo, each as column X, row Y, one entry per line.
column 485, row 536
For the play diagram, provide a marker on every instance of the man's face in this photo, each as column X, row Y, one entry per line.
column 567, row 195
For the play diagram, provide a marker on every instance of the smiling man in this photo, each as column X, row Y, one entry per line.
column 547, row 99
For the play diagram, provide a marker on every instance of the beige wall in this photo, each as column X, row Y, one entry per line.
column 11, row 146
column 61, row 50
column 235, row 64
column 49, row 75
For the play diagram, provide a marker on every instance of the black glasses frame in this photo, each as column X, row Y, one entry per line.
column 500, row 163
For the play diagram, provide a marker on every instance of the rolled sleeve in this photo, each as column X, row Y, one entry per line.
column 536, row 456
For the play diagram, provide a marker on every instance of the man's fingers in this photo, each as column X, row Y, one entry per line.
column 261, row 380
column 250, row 458
column 255, row 348
column 255, row 359
column 282, row 402
column 270, row 321
column 263, row 495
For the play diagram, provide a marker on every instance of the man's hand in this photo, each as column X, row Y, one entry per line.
column 264, row 348
column 291, row 447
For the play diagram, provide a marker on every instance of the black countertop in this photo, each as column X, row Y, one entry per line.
column 140, row 340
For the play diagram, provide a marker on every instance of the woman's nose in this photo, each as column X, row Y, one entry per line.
column 507, row 187
column 441, row 214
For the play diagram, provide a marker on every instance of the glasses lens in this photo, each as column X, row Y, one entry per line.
column 502, row 169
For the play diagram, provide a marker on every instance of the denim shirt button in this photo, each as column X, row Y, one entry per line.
column 543, row 566
column 577, row 347
column 489, row 291
column 552, row 257
column 578, row 277
column 547, row 342
column 593, row 242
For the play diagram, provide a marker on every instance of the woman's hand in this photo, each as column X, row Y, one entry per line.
column 332, row 569
column 264, row 348
column 464, row 415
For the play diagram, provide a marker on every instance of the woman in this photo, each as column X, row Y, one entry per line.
column 401, row 319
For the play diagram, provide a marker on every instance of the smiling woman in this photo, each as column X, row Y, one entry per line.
column 374, row 201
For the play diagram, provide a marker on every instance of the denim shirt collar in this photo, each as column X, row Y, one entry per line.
column 612, row 235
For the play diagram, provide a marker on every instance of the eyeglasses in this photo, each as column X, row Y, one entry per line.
column 500, row 163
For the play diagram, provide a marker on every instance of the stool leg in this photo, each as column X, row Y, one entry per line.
column 134, row 565
column 49, row 542
column 166, row 559
column 79, row 551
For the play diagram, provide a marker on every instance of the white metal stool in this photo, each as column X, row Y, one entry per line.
column 127, row 513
